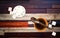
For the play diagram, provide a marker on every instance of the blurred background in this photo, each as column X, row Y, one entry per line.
column 32, row 6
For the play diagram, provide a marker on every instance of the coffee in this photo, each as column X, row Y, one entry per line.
column 40, row 26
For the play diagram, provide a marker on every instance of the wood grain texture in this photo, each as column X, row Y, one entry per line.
column 32, row 35
column 28, row 16
column 32, row 5
column 55, row 6
column 53, row 10
column 13, row 24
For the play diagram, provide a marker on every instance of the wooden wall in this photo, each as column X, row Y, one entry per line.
column 32, row 6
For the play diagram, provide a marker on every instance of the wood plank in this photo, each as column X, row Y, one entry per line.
column 31, row 35
column 23, row 23
column 55, row 6
column 28, row 16
column 36, row 10
column 26, row 29
column 13, row 24
column 53, row 10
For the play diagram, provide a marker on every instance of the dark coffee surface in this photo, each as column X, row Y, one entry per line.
column 40, row 26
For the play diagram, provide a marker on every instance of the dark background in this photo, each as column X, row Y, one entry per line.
column 32, row 6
